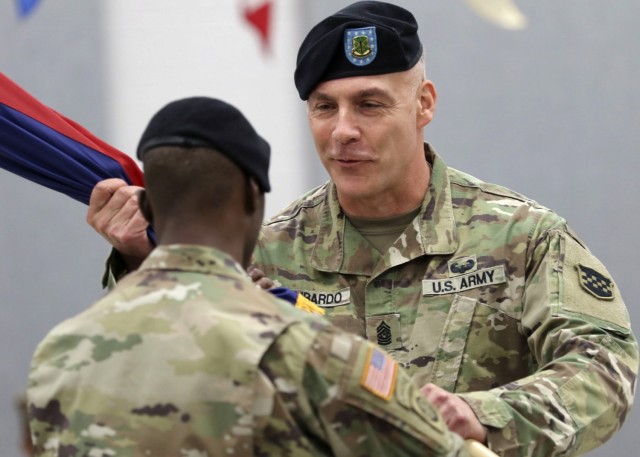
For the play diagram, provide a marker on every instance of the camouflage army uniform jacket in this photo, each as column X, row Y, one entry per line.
column 486, row 294
column 187, row 358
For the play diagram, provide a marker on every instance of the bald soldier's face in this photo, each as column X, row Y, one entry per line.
column 368, row 131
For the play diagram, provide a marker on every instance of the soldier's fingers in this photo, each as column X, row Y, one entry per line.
column 127, row 227
column 435, row 394
column 255, row 273
column 102, row 193
column 260, row 280
column 456, row 412
column 265, row 283
column 116, row 212
column 125, row 212
column 126, row 196
column 458, row 415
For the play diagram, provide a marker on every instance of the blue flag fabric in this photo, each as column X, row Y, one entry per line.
column 43, row 146
column 25, row 7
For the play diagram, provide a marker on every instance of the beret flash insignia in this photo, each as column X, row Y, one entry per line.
column 361, row 45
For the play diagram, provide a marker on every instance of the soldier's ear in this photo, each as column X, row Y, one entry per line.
column 427, row 97
column 252, row 195
column 145, row 207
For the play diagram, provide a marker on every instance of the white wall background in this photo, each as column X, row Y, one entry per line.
column 161, row 50
column 551, row 111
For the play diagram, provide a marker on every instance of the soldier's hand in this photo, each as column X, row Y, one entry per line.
column 114, row 214
column 258, row 277
column 456, row 412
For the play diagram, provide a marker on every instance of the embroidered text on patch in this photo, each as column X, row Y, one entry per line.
column 479, row 278
column 379, row 374
column 328, row 299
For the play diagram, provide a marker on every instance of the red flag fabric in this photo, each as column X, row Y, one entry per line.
column 259, row 17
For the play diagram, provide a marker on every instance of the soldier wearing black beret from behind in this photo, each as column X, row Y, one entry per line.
column 488, row 299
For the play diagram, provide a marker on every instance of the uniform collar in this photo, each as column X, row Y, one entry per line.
column 432, row 232
column 193, row 258
column 436, row 220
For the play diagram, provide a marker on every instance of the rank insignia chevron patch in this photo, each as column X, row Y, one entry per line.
column 595, row 283
column 384, row 334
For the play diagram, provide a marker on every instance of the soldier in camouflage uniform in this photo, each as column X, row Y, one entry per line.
column 517, row 332
column 475, row 289
column 187, row 357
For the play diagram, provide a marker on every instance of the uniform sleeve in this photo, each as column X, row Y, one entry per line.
column 352, row 397
column 261, row 258
column 584, row 356
column 115, row 269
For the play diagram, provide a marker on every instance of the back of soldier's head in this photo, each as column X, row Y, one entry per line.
column 181, row 181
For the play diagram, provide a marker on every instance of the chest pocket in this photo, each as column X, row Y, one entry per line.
column 463, row 289
column 451, row 348
column 433, row 339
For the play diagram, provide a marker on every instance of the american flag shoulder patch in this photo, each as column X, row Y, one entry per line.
column 379, row 374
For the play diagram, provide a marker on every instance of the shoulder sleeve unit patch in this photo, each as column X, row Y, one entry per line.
column 595, row 282
column 588, row 288
column 379, row 374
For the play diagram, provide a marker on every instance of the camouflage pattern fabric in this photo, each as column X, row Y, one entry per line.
column 486, row 294
column 187, row 358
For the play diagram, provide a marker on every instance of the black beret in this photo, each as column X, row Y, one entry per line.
column 365, row 38
column 207, row 122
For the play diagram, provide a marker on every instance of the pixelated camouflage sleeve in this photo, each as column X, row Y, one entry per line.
column 585, row 358
column 350, row 394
